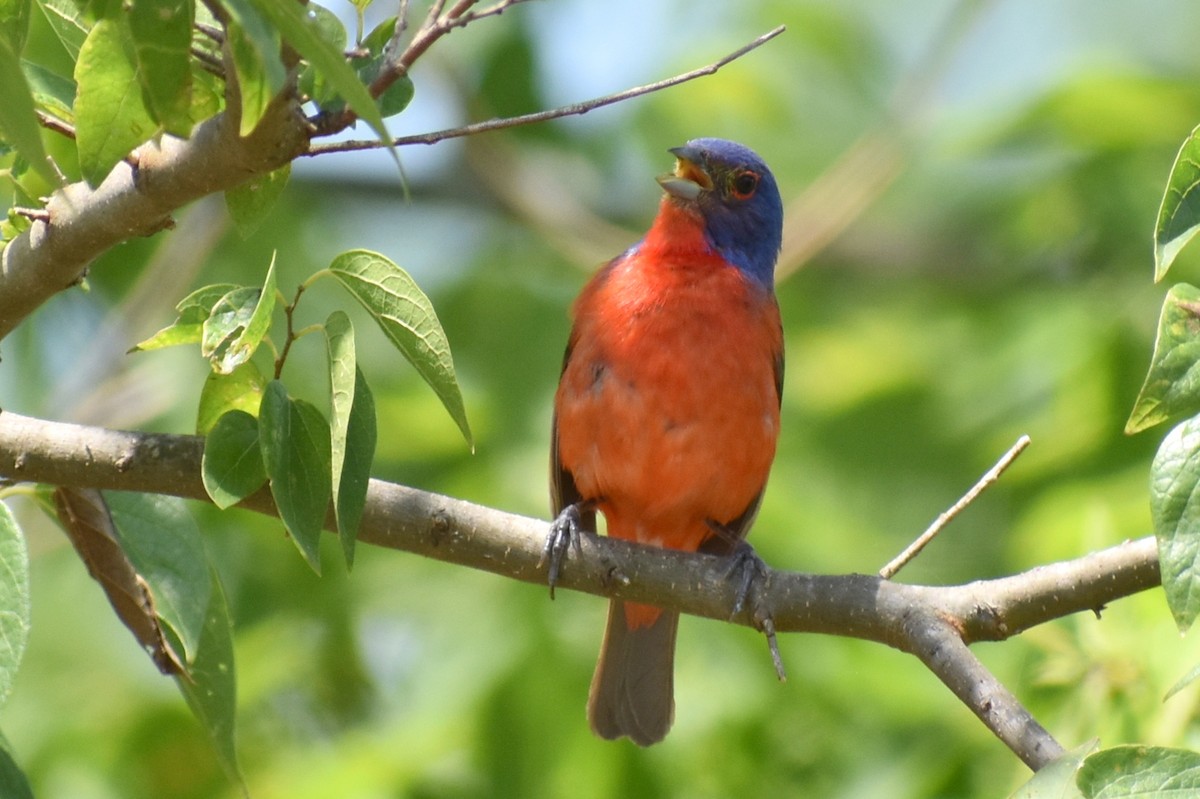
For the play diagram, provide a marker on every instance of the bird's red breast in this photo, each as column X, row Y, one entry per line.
column 667, row 412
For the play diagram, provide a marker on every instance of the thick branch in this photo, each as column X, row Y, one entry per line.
column 170, row 172
column 932, row 622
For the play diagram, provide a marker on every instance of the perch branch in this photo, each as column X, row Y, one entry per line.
column 935, row 623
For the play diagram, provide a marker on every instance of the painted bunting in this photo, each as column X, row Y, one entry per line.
column 667, row 411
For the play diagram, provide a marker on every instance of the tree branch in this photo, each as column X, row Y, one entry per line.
column 935, row 623
column 575, row 109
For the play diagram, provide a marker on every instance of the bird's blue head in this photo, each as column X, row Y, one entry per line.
column 736, row 195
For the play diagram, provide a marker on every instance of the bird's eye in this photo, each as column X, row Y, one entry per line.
column 744, row 185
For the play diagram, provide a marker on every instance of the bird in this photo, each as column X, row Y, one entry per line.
column 667, row 412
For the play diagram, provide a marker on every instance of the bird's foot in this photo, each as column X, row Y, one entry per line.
column 747, row 567
column 565, row 532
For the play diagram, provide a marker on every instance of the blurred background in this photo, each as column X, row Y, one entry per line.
column 971, row 190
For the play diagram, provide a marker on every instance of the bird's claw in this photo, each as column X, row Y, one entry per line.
column 745, row 564
column 565, row 532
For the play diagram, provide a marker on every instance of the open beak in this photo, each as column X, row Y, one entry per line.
column 689, row 178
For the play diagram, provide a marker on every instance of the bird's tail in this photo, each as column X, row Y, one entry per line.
column 633, row 688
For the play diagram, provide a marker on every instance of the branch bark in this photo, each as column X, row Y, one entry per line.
column 934, row 623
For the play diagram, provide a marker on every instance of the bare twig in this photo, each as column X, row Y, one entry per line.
column 55, row 124
column 912, row 550
column 934, row 623
column 34, row 214
column 553, row 113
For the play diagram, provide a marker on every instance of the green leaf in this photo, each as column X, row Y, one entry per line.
column 162, row 40
column 397, row 96
column 237, row 324
column 14, row 23
column 255, row 45
column 1175, row 510
column 256, row 327
column 232, row 467
column 66, row 19
column 211, row 691
column 111, row 117
column 1056, row 780
column 330, row 29
column 1183, row 682
column 1179, row 214
column 407, row 318
column 1172, row 386
column 52, row 93
column 13, row 783
column 188, row 327
column 250, row 202
column 301, row 30
column 240, row 390
column 14, row 601
column 18, row 122
column 295, row 449
column 1140, row 771
column 352, row 430
column 163, row 543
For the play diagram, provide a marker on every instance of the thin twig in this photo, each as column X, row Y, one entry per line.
column 55, row 124
column 32, row 214
column 553, row 113
column 914, row 549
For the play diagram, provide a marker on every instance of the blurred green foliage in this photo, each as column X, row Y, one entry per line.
column 1000, row 285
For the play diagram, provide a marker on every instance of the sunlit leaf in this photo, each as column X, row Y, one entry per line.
column 18, row 122
column 164, row 545
column 295, row 449
column 254, row 44
column 52, row 93
column 66, row 19
column 232, row 467
column 251, row 202
column 1183, row 682
column 1175, row 510
column 1179, row 213
column 111, row 117
column 229, row 317
column 1056, row 780
column 352, row 430
column 407, row 318
column 240, row 390
column 86, row 519
column 1140, row 771
column 14, row 601
column 13, row 782
column 312, row 82
column 211, row 691
column 188, row 327
column 162, row 39
column 301, row 30
column 253, row 329
column 1172, row 386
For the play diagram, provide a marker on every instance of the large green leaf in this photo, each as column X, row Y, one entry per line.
column 14, row 600
column 352, row 430
column 250, row 202
column 13, row 783
column 211, row 686
column 18, row 122
column 255, row 45
column 1175, row 510
column 240, row 390
column 302, row 30
column 163, row 542
column 188, row 327
column 295, row 449
column 1172, row 386
column 66, row 18
column 111, row 117
column 407, row 318
column 162, row 40
column 232, row 467
column 1179, row 213
column 1143, row 772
